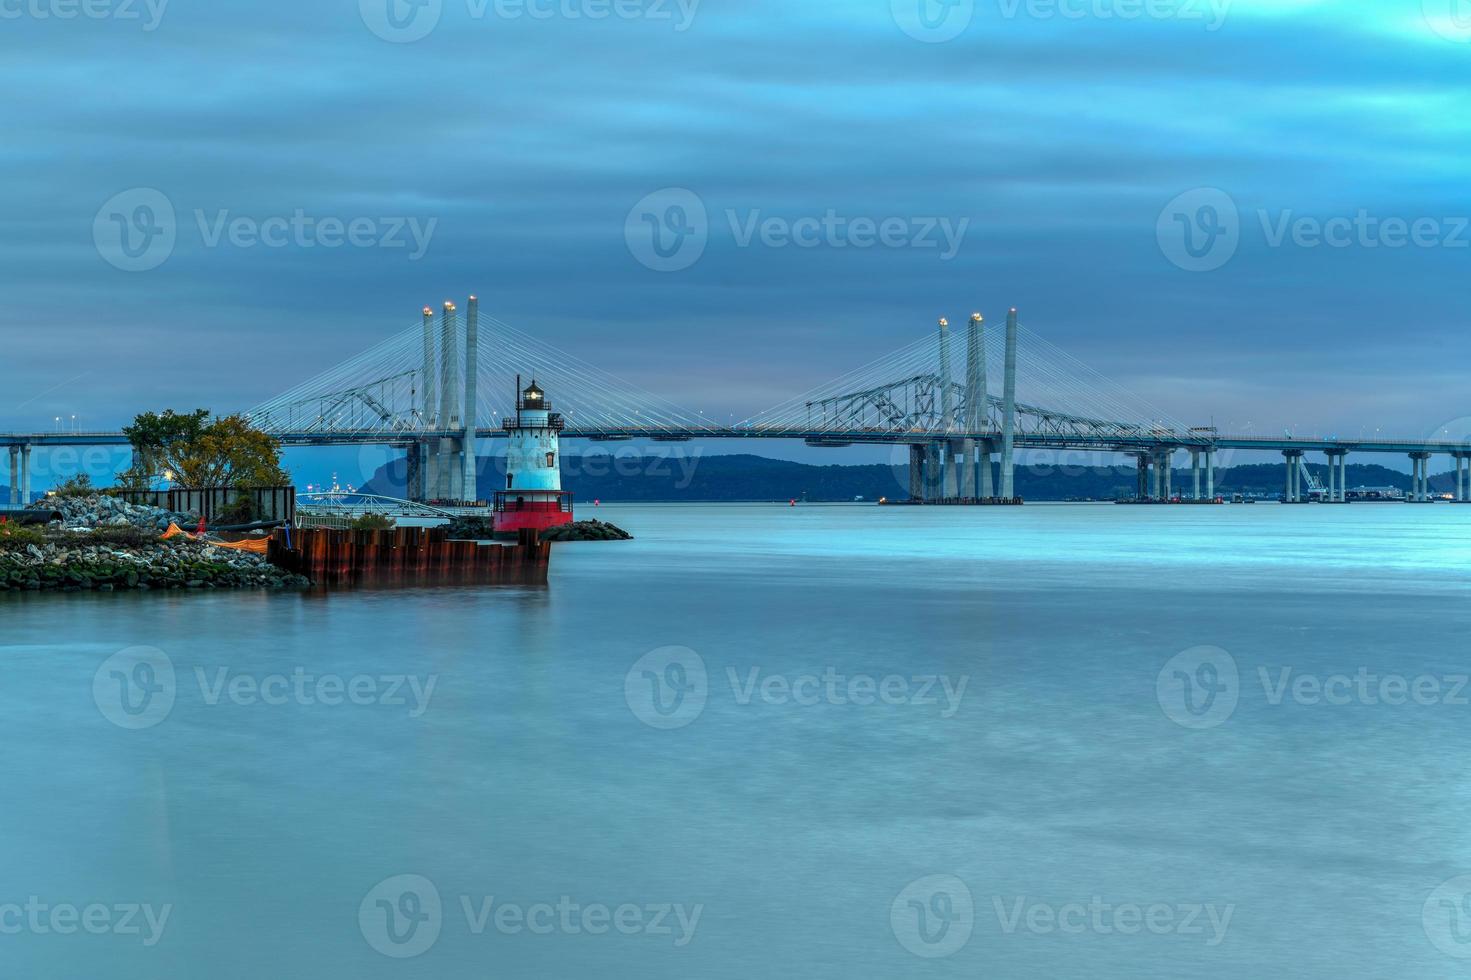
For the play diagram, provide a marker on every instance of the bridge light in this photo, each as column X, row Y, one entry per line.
column 976, row 318
column 944, row 322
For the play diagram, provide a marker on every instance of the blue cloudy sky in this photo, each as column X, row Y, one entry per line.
column 519, row 136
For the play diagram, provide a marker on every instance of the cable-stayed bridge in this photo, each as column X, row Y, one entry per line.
column 962, row 398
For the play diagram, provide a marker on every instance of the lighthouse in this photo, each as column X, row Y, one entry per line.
column 533, row 497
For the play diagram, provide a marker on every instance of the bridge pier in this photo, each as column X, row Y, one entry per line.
column 968, row 468
column 932, row 477
column 1008, row 410
column 1195, row 473
column 988, row 484
column 25, row 475
column 1337, row 476
column 1420, row 477
column 1463, row 475
column 1142, row 462
column 1210, row 474
column 14, row 479
column 916, row 472
column 1292, row 493
column 949, row 483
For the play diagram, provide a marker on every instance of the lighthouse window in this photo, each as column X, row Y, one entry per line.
column 551, row 460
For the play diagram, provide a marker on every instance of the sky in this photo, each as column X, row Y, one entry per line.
column 1251, row 213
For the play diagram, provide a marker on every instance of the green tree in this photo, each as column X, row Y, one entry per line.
column 194, row 450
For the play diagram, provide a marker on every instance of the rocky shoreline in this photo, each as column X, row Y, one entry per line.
column 103, row 544
column 586, row 531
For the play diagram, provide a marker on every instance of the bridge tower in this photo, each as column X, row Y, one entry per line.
column 533, row 496
column 977, row 454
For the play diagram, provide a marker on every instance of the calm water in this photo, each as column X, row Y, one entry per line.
column 573, row 797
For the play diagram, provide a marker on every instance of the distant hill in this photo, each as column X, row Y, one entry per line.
column 746, row 477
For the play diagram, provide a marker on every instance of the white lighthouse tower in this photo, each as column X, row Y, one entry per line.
column 533, row 496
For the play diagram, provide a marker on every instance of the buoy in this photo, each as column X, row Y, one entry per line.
column 792, row 502
column 596, row 502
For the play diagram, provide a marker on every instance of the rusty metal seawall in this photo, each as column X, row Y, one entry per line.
column 407, row 557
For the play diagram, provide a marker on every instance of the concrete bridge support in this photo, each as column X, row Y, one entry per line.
column 14, row 479
column 1008, row 410
column 1210, row 474
column 1420, row 477
column 1144, row 488
column 988, row 481
column 1337, row 476
column 1292, row 493
column 967, row 468
column 932, row 467
column 1195, row 474
column 468, row 488
column 916, row 472
column 25, row 475
column 1463, row 476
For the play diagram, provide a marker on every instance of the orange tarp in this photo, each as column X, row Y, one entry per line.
column 257, row 545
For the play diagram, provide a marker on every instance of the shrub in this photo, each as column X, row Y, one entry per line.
column 78, row 486
column 16, row 536
column 372, row 522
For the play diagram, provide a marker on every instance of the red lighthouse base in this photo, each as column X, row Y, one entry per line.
column 535, row 509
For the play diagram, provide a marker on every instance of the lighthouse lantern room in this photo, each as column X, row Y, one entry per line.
column 533, row 497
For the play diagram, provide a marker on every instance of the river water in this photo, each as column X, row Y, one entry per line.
column 821, row 741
